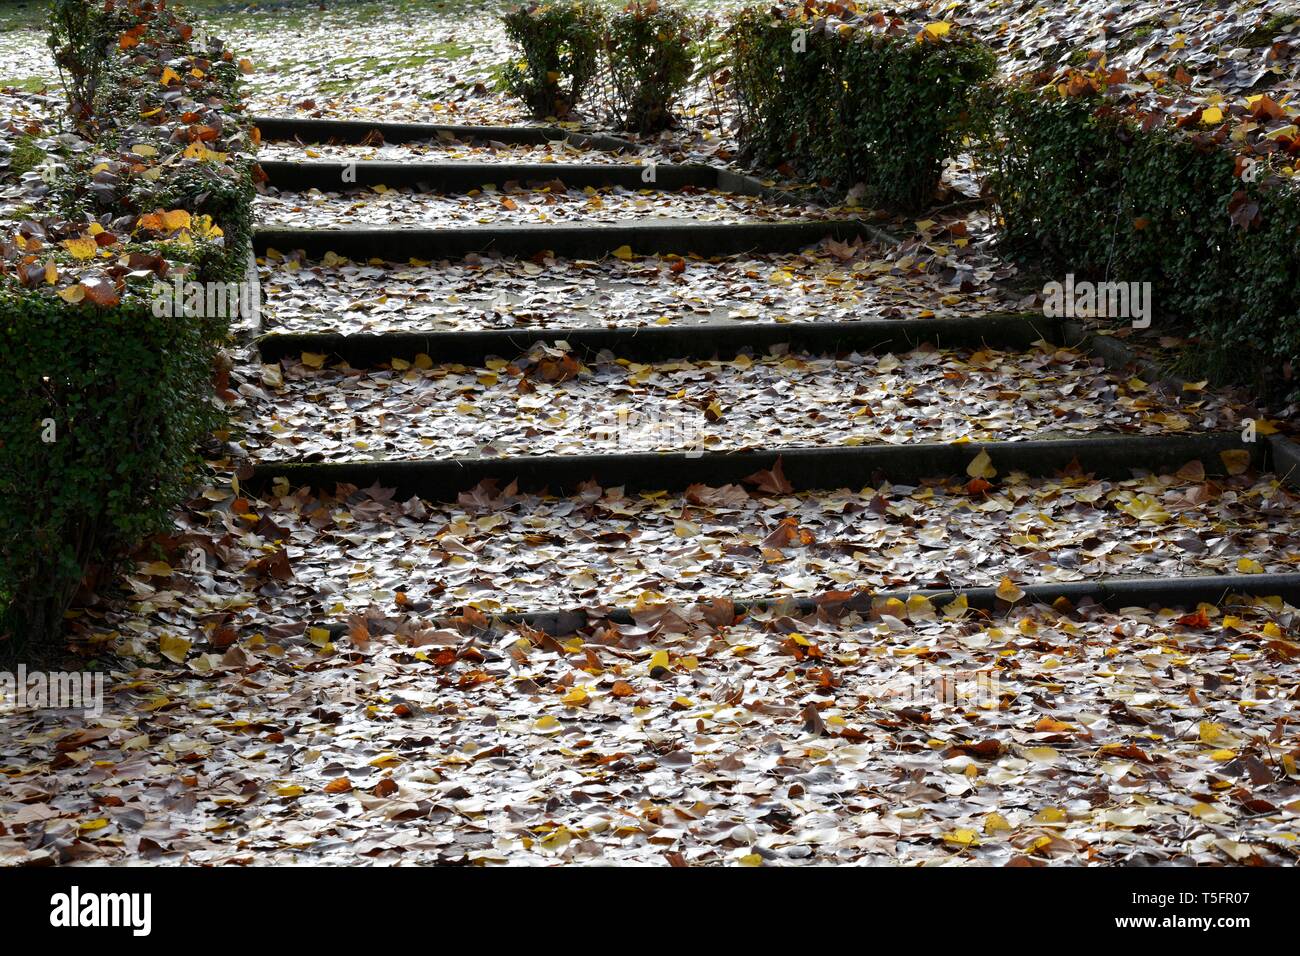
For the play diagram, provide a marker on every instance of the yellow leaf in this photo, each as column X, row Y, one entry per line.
column 91, row 825
column 1249, row 566
column 81, row 248
column 934, row 31
column 1145, row 507
column 919, row 608
column 1042, row 754
column 1211, row 115
column 319, row 636
column 995, row 822
column 173, row 648
column 201, row 152
column 957, row 607
column 313, row 359
column 962, row 838
column 176, row 219
column 1210, row 731
column 1009, row 591
column 659, row 661
column 981, row 466
column 168, row 77
column 291, row 791
column 1236, row 461
column 625, row 253
column 1049, row 815
column 576, row 697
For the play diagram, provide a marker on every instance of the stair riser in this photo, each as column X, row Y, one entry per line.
column 1114, row 594
column 290, row 128
column 805, row 468
column 661, row 343
column 331, row 176
column 574, row 242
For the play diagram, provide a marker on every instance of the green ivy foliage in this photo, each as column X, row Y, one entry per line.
column 1084, row 191
column 558, row 54
column 847, row 105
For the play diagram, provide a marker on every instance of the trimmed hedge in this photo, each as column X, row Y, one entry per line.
column 1082, row 185
column 105, row 401
column 870, row 99
column 649, row 50
column 559, row 54
column 124, row 396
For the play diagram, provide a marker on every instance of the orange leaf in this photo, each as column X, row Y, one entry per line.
column 1049, row 726
column 101, row 292
column 176, row 219
column 1199, row 619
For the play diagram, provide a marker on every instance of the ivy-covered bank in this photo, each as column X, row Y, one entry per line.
column 106, row 385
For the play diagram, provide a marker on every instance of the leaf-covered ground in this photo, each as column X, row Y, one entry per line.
column 929, row 276
column 317, row 678
column 31, row 137
column 509, row 203
column 245, row 566
column 444, row 150
column 549, row 402
column 909, row 734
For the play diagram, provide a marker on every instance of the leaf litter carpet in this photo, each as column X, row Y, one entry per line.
column 319, row 678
